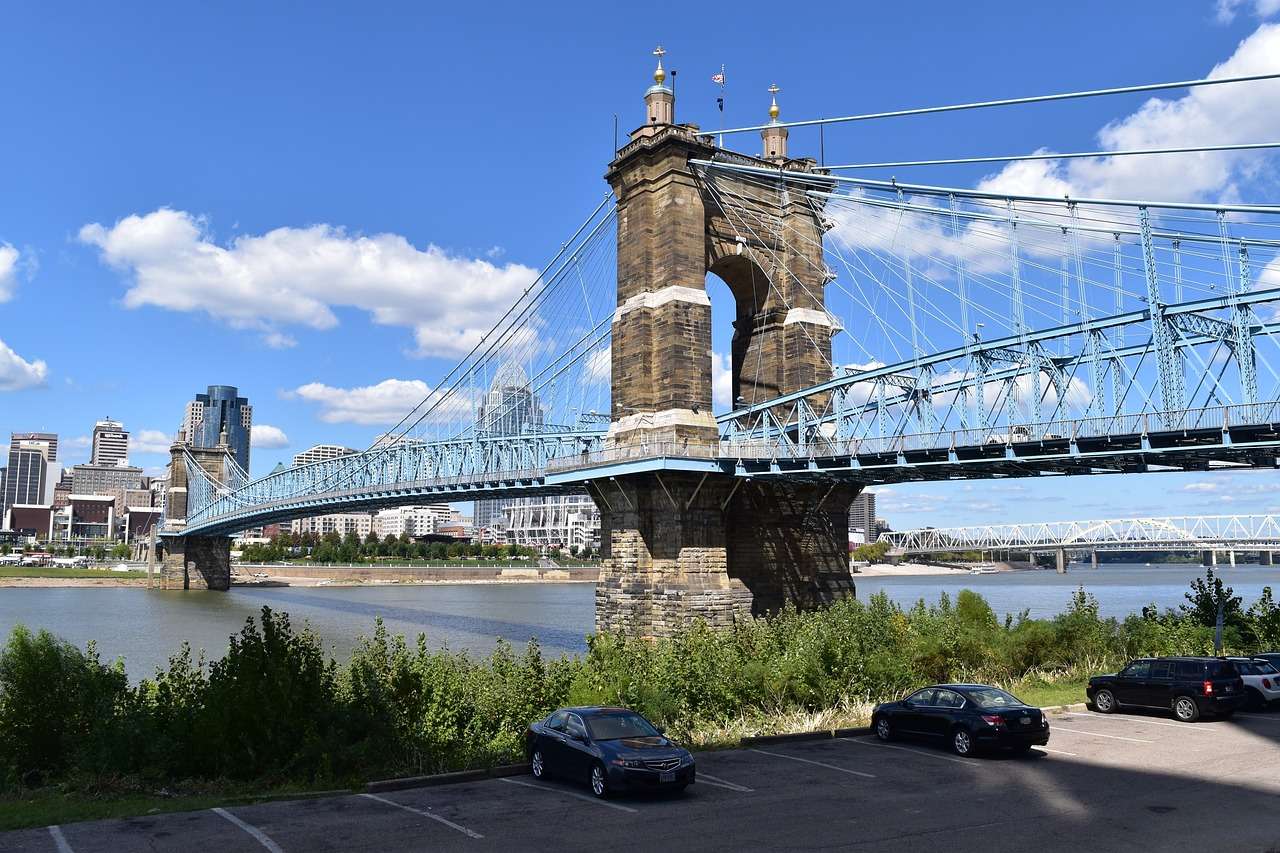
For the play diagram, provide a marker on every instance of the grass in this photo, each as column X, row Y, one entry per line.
column 48, row 806
column 44, row 572
column 1046, row 692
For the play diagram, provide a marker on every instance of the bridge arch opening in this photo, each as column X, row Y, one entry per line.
column 740, row 294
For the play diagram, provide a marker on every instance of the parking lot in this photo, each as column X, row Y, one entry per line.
column 1121, row 782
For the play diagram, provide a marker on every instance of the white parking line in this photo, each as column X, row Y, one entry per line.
column 1122, row 718
column 723, row 783
column 879, row 745
column 584, row 797
column 251, row 829
column 426, row 814
column 1099, row 734
column 1054, row 751
column 60, row 840
column 818, row 763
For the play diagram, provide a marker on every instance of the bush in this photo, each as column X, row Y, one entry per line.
column 276, row 709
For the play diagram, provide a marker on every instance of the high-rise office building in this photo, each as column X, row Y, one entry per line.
column 507, row 409
column 220, row 410
column 26, row 479
column 110, row 443
column 862, row 519
column 106, row 480
column 321, row 452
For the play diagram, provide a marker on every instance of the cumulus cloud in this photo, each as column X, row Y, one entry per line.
column 267, row 436
column 150, row 441
column 8, row 271
column 300, row 276
column 1211, row 115
column 721, row 382
column 384, row 403
column 1226, row 10
column 16, row 373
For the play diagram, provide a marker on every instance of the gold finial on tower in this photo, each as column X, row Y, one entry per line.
column 773, row 108
column 659, row 75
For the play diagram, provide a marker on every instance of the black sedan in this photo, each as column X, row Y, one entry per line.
column 611, row 749
column 967, row 717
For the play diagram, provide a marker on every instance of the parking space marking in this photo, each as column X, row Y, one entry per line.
column 723, row 783
column 258, row 834
column 817, row 763
column 583, row 797
column 1100, row 734
column 878, row 745
column 60, row 840
column 1122, row 718
column 1055, row 751
column 467, row 832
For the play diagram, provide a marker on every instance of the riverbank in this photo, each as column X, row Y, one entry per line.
column 295, row 575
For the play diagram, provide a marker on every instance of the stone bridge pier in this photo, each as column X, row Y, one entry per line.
column 679, row 545
column 187, row 561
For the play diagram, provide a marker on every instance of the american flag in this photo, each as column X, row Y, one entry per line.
column 718, row 78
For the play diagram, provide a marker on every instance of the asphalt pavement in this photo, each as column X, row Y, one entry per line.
column 1106, row 783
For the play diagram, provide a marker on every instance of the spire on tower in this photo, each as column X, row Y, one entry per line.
column 775, row 134
column 659, row 75
column 660, row 100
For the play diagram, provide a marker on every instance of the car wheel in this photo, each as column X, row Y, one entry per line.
column 962, row 742
column 884, row 729
column 537, row 764
column 1185, row 709
column 1104, row 702
column 599, row 782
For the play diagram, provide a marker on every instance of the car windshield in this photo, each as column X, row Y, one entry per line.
column 1264, row 668
column 615, row 726
column 991, row 697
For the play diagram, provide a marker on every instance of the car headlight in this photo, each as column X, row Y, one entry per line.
column 629, row 762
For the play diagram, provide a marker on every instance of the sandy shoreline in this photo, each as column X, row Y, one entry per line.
column 905, row 569
column 61, row 582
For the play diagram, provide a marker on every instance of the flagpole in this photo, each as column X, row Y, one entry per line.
column 721, row 104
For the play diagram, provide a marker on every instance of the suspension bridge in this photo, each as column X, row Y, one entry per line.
column 883, row 332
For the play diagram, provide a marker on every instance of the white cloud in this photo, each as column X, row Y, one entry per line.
column 384, row 403
column 150, row 441
column 1210, row 115
column 1200, row 487
column 1226, row 10
column 8, row 271
column 721, row 382
column 16, row 373
column 267, row 436
column 299, row 276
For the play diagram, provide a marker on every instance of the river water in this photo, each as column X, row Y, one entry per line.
column 146, row 626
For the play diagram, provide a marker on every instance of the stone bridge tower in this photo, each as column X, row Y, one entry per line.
column 679, row 545
column 193, row 559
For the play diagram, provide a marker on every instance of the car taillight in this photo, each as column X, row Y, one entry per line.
column 1208, row 688
column 993, row 719
column 1266, row 682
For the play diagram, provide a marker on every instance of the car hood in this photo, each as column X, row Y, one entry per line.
column 641, row 747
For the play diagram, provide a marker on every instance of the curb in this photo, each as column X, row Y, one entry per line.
column 1077, row 706
column 829, row 734
column 446, row 778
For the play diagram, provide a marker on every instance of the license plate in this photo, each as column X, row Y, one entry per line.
column 669, row 776
column 1229, row 689
column 1026, row 721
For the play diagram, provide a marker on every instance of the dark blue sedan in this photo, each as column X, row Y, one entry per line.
column 611, row 749
column 966, row 717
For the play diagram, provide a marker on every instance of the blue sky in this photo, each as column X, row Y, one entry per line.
column 323, row 203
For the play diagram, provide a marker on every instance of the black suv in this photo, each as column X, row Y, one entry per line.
column 1187, row 686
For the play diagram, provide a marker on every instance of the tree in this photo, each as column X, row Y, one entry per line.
column 1204, row 597
column 873, row 552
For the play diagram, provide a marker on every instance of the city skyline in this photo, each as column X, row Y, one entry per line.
column 335, row 355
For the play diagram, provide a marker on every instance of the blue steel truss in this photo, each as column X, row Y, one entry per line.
column 1163, row 380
